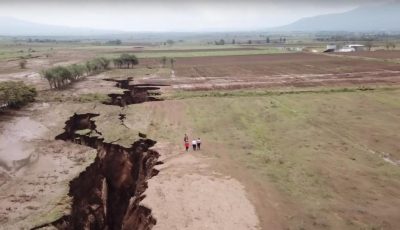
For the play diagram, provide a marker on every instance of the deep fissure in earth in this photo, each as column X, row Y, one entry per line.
column 108, row 193
column 133, row 94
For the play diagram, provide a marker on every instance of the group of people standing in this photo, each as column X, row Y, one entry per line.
column 195, row 143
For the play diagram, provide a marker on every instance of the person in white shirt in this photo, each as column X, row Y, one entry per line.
column 194, row 145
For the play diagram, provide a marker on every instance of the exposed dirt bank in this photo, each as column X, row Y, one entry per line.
column 133, row 94
column 107, row 194
column 36, row 168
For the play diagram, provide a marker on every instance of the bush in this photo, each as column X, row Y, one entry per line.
column 22, row 63
column 16, row 94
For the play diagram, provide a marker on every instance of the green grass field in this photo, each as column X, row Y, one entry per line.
column 322, row 150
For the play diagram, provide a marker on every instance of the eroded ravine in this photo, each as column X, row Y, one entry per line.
column 133, row 93
column 107, row 195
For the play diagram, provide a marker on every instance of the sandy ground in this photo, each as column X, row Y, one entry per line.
column 189, row 194
column 35, row 169
column 15, row 137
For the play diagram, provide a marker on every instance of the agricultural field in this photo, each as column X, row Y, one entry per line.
column 290, row 140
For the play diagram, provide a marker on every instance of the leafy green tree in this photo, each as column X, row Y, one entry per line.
column 170, row 42
column 15, row 94
column 127, row 60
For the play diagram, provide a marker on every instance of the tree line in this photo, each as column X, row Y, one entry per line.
column 61, row 76
column 15, row 94
column 125, row 61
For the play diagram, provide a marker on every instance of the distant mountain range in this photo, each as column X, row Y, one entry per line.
column 371, row 18
column 16, row 27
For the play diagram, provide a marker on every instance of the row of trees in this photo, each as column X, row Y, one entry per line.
column 125, row 61
column 60, row 76
column 164, row 61
column 389, row 45
column 15, row 94
column 267, row 41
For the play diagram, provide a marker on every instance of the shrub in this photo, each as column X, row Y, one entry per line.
column 16, row 94
column 22, row 63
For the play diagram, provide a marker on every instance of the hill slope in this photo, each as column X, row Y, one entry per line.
column 372, row 18
column 16, row 27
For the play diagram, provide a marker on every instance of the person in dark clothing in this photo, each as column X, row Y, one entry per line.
column 198, row 143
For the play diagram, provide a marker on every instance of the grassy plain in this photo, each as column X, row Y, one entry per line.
column 326, row 152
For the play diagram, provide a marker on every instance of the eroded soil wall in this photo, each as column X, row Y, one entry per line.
column 133, row 94
column 107, row 194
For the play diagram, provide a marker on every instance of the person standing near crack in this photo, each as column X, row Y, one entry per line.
column 187, row 145
column 194, row 144
column 198, row 143
column 186, row 140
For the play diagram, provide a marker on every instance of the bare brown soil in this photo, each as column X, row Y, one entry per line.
column 33, row 187
column 381, row 54
column 277, row 70
column 184, row 50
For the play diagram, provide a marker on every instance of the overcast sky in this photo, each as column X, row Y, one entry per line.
column 174, row 15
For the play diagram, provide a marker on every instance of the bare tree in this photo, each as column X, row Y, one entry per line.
column 369, row 45
column 164, row 61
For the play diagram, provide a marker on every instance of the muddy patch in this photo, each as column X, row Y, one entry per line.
column 14, row 150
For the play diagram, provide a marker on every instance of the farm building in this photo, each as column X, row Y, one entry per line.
column 352, row 48
column 357, row 47
column 344, row 49
column 331, row 47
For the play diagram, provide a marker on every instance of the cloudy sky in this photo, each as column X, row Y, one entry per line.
column 173, row 15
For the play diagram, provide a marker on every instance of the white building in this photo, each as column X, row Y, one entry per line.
column 357, row 47
column 331, row 47
column 352, row 48
column 346, row 49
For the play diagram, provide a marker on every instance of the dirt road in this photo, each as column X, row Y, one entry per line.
column 189, row 194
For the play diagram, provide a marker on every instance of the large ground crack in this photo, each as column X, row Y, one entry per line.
column 108, row 193
column 133, row 93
